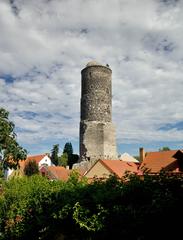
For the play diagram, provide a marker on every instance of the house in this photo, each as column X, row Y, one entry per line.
column 102, row 169
column 55, row 172
column 171, row 160
column 41, row 159
column 128, row 158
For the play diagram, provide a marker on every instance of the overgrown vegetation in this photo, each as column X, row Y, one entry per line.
column 36, row 208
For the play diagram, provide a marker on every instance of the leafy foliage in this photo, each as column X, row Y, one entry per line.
column 10, row 151
column 164, row 149
column 68, row 149
column 31, row 168
column 54, row 154
column 63, row 160
column 72, row 158
column 36, row 208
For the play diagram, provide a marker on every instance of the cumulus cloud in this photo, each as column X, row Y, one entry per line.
column 44, row 44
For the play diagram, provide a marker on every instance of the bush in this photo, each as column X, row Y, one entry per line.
column 31, row 168
column 36, row 208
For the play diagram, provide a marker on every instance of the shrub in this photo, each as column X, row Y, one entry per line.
column 36, row 208
column 31, row 168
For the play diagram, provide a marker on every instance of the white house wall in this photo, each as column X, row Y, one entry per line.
column 45, row 161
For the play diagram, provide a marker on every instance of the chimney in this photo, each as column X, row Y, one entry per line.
column 142, row 154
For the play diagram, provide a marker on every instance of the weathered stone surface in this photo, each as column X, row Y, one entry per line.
column 98, row 140
column 97, row 133
column 96, row 94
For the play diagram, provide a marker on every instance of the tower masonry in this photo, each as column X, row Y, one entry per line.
column 97, row 132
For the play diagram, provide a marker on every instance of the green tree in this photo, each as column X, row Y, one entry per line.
column 68, row 148
column 63, row 160
column 31, row 168
column 164, row 149
column 54, row 154
column 72, row 158
column 11, row 152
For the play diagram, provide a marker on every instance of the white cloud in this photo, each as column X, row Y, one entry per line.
column 45, row 44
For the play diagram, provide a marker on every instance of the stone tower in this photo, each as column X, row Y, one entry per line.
column 97, row 133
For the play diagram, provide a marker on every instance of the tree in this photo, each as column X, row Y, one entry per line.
column 54, row 154
column 164, row 149
column 31, row 168
column 11, row 152
column 72, row 158
column 68, row 148
column 63, row 160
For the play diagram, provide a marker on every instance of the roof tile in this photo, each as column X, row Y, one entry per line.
column 56, row 172
column 119, row 167
column 156, row 161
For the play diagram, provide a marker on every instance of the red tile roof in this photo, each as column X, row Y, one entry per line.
column 119, row 167
column 156, row 161
column 37, row 158
column 56, row 172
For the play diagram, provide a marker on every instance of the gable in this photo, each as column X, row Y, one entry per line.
column 99, row 171
column 45, row 161
column 128, row 158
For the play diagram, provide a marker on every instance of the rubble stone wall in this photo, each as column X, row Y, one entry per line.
column 96, row 94
column 97, row 133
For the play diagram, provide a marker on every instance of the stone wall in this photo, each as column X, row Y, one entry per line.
column 96, row 94
column 97, row 133
column 98, row 140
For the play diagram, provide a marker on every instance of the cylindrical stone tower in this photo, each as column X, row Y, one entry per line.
column 97, row 133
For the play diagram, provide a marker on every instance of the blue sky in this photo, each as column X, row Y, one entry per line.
column 45, row 44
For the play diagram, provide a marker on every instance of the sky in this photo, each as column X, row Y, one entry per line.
column 44, row 45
